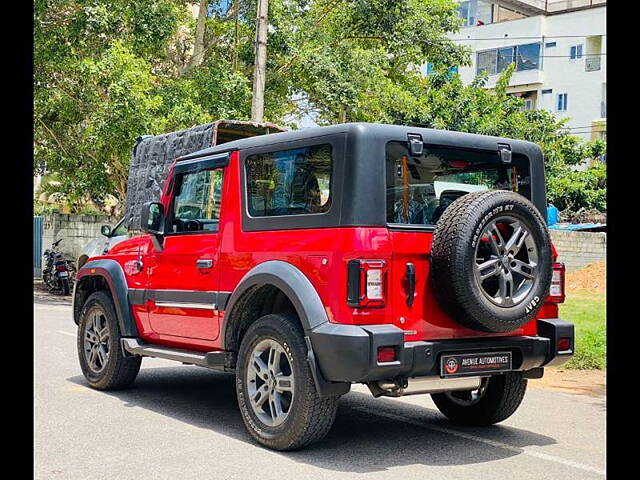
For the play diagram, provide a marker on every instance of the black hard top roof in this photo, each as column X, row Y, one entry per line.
column 379, row 132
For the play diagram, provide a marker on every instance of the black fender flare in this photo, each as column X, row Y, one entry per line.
column 293, row 283
column 112, row 272
column 306, row 301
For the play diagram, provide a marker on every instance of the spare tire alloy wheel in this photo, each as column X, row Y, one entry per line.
column 506, row 261
column 270, row 382
column 491, row 261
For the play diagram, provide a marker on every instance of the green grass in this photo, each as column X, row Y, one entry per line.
column 587, row 311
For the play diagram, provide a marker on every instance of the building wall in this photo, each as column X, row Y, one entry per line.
column 75, row 230
column 578, row 249
column 558, row 72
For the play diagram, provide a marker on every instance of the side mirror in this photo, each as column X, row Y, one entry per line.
column 105, row 230
column 152, row 218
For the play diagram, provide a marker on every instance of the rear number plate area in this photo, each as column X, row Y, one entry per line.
column 454, row 365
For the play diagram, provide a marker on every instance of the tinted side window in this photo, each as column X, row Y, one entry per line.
column 196, row 201
column 289, row 182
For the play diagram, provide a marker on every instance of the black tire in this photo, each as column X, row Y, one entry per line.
column 64, row 283
column 309, row 417
column 118, row 371
column 454, row 250
column 501, row 398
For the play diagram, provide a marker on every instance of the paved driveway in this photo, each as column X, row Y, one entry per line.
column 181, row 422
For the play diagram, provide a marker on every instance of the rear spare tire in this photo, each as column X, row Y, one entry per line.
column 491, row 261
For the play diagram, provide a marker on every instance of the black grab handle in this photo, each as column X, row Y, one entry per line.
column 410, row 275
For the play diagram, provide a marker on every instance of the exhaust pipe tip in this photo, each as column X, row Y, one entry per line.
column 401, row 387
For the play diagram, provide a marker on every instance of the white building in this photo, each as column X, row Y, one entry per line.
column 559, row 48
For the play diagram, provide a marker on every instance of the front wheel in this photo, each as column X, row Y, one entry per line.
column 496, row 400
column 277, row 397
column 99, row 350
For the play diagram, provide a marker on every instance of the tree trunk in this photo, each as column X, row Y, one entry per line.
column 198, row 46
column 342, row 114
column 260, row 64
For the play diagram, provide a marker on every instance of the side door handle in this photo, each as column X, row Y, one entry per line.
column 204, row 263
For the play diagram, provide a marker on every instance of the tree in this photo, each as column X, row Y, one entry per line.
column 106, row 72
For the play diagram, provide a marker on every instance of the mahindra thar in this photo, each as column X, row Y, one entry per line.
column 412, row 260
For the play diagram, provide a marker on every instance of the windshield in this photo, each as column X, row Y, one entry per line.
column 419, row 189
column 119, row 229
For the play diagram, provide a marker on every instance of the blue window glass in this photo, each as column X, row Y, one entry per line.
column 561, row 105
column 506, row 56
column 528, row 56
column 575, row 52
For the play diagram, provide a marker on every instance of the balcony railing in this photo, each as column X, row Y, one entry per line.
column 592, row 63
column 537, row 7
column 557, row 6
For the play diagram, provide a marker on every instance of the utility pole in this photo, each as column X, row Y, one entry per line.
column 260, row 63
column 236, row 11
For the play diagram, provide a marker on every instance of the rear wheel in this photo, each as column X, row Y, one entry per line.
column 277, row 397
column 100, row 353
column 496, row 400
column 64, row 283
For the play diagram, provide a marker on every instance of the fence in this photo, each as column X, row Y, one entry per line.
column 578, row 249
column 75, row 230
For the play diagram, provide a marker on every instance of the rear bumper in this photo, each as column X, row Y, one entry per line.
column 348, row 353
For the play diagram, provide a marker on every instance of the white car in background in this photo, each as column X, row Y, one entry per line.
column 99, row 246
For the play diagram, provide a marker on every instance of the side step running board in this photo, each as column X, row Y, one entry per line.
column 214, row 360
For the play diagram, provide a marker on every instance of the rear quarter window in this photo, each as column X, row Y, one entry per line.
column 289, row 182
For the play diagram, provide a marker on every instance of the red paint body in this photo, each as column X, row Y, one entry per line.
column 321, row 254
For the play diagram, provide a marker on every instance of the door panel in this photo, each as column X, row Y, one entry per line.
column 181, row 297
column 183, row 276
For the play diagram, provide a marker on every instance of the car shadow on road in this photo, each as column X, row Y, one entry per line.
column 369, row 435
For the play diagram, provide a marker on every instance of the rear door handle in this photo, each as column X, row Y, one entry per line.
column 203, row 264
column 410, row 275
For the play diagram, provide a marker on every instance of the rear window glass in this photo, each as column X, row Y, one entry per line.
column 289, row 182
column 419, row 189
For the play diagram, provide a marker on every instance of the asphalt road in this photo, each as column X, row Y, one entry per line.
column 182, row 422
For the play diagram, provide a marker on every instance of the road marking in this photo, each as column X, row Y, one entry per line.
column 67, row 333
column 493, row 443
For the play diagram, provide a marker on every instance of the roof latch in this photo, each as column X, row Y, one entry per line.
column 415, row 144
column 504, row 151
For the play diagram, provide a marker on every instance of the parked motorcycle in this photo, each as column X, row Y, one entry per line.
column 58, row 272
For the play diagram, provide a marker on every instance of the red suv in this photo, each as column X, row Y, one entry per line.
column 411, row 260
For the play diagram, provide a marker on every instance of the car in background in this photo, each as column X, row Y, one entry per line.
column 99, row 246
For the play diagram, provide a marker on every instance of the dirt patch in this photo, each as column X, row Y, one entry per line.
column 581, row 382
column 592, row 278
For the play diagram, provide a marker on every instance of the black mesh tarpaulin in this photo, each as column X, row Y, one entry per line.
column 153, row 155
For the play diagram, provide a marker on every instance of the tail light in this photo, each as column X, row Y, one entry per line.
column 61, row 268
column 366, row 283
column 556, row 292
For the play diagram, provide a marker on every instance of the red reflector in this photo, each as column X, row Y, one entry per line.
column 61, row 268
column 386, row 354
column 564, row 344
